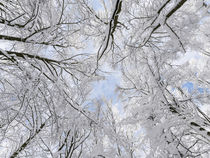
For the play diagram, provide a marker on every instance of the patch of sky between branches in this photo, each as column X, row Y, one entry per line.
column 106, row 88
column 194, row 59
column 191, row 87
column 98, row 5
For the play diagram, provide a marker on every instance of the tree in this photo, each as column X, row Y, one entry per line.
column 44, row 84
column 54, row 50
column 159, row 32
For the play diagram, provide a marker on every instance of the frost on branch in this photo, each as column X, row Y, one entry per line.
column 53, row 53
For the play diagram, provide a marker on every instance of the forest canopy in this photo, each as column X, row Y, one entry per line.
column 53, row 53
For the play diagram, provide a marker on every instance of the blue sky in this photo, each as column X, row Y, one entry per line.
column 106, row 88
column 191, row 87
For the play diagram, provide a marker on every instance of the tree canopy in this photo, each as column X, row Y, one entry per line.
column 53, row 52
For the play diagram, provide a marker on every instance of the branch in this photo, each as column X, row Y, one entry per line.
column 112, row 26
column 26, row 143
column 11, row 38
column 23, row 55
column 172, row 31
column 179, row 5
